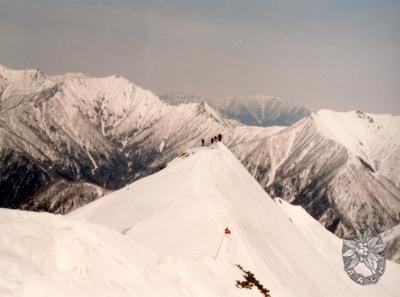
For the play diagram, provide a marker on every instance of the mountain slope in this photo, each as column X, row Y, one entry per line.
column 340, row 167
column 257, row 110
column 372, row 138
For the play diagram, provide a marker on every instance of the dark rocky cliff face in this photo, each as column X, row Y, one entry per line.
column 61, row 197
column 20, row 177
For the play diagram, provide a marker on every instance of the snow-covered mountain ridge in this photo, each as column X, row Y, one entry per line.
column 341, row 167
column 374, row 138
column 106, row 131
column 160, row 236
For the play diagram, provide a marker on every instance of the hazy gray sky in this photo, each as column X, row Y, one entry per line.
column 338, row 54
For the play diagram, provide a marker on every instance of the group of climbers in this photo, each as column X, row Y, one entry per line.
column 213, row 139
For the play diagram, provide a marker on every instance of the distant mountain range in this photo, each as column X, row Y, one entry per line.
column 259, row 110
column 100, row 134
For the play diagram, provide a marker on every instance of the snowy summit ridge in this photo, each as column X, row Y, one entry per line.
column 162, row 241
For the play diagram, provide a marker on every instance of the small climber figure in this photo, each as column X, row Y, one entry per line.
column 212, row 140
column 227, row 231
column 215, row 138
column 202, row 142
column 219, row 137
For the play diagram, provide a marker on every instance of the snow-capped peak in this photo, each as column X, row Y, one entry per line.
column 369, row 136
column 22, row 82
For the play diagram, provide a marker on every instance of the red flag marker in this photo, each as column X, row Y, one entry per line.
column 226, row 232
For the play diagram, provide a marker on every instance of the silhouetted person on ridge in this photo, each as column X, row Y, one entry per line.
column 219, row 137
column 212, row 140
column 202, row 142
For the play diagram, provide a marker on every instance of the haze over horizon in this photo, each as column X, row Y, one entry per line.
column 341, row 55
